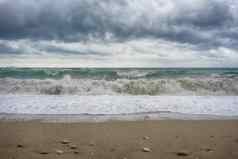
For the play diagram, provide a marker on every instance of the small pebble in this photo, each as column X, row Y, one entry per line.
column 73, row 146
column 207, row 149
column 44, row 152
column 65, row 142
column 183, row 153
column 92, row 144
column 76, row 152
column 59, row 152
column 20, row 146
column 146, row 149
column 146, row 137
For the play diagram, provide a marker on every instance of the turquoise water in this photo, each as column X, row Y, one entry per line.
column 114, row 73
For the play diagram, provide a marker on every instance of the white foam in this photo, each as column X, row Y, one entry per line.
column 73, row 86
column 68, row 104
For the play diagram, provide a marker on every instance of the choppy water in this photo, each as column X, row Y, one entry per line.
column 106, row 91
column 115, row 81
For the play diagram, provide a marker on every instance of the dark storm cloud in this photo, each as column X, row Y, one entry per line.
column 214, row 15
column 73, row 20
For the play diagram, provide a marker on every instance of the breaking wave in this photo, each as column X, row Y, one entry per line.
column 159, row 86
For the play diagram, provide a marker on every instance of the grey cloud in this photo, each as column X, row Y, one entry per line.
column 62, row 51
column 36, row 47
column 7, row 49
column 214, row 15
column 72, row 20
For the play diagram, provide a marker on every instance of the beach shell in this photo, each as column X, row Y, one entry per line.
column 146, row 149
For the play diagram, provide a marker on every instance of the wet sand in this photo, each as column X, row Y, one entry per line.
column 172, row 139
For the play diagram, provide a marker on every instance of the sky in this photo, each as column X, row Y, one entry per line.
column 119, row 33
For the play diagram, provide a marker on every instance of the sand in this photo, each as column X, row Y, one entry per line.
column 163, row 139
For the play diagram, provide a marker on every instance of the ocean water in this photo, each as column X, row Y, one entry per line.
column 113, row 81
column 118, row 91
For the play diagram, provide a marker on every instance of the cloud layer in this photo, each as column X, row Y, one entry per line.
column 204, row 32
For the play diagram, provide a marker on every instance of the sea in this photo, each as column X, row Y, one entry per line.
column 131, row 93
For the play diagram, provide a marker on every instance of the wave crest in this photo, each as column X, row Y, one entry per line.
column 166, row 86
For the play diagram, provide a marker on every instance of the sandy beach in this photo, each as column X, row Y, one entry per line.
column 213, row 139
column 119, row 79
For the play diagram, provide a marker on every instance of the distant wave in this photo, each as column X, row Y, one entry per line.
column 161, row 86
column 113, row 73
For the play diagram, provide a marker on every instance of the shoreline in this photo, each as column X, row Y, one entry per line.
column 113, row 105
column 197, row 139
column 101, row 118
